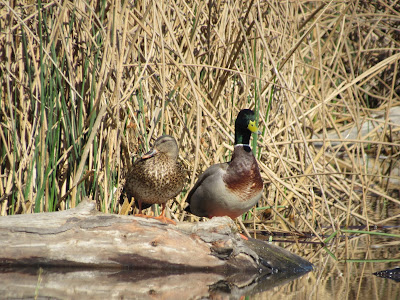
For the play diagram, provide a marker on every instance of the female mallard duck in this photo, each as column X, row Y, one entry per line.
column 232, row 188
column 157, row 176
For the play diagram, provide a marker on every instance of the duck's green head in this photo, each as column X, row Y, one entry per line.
column 245, row 125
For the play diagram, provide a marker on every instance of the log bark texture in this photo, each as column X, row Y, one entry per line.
column 83, row 237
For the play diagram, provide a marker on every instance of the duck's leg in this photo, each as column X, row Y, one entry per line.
column 244, row 237
column 140, row 214
column 140, row 207
column 163, row 218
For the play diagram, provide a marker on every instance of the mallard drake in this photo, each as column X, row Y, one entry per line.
column 231, row 188
column 157, row 176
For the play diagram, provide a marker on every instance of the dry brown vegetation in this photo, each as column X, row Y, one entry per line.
column 85, row 85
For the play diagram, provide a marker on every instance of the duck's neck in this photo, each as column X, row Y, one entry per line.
column 242, row 137
column 242, row 154
column 246, row 147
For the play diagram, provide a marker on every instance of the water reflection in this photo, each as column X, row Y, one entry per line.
column 351, row 276
column 132, row 284
column 329, row 280
column 338, row 281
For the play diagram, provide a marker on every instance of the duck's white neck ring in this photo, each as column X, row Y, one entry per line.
column 246, row 147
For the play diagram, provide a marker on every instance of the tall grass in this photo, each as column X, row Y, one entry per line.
column 88, row 85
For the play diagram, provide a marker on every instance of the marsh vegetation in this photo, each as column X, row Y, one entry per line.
column 87, row 86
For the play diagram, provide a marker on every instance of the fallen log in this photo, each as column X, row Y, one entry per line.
column 86, row 239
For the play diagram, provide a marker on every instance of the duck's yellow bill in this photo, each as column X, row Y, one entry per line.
column 252, row 127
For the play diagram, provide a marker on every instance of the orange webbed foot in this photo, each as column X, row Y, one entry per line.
column 161, row 218
column 166, row 220
column 143, row 216
column 244, row 237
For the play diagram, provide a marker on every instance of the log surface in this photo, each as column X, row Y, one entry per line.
column 84, row 237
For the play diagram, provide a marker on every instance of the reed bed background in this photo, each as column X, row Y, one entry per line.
column 87, row 86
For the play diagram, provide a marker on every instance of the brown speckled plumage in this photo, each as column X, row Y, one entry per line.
column 157, row 176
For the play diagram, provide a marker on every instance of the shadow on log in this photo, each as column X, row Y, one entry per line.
column 137, row 254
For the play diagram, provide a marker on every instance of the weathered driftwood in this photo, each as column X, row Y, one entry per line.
column 102, row 255
column 84, row 237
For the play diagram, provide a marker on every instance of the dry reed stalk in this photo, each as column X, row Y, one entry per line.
column 186, row 69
